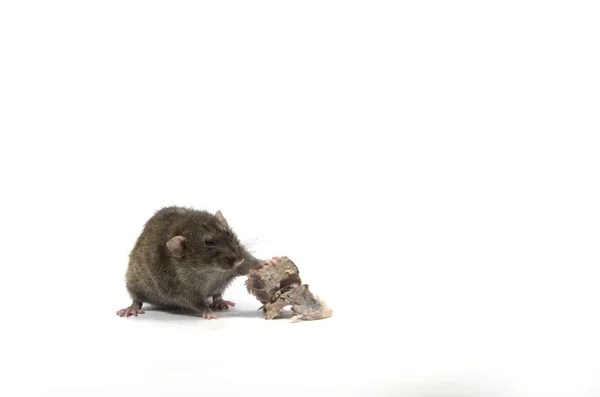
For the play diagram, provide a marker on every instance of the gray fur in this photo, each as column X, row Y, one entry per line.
column 158, row 277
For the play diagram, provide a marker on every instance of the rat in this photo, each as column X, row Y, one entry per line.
column 183, row 257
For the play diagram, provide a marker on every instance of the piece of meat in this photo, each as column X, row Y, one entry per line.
column 278, row 285
column 271, row 280
column 305, row 305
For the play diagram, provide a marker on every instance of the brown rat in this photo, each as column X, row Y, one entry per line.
column 182, row 257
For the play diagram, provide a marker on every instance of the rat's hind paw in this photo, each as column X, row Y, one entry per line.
column 209, row 316
column 129, row 311
column 221, row 304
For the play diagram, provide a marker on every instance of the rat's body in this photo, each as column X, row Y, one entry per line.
column 183, row 257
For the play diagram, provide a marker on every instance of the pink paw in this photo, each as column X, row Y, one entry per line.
column 129, row 311
column 271, row 261
column 209, row 316
column 222, row 305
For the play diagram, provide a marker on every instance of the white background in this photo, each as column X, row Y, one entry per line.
column 432, row 168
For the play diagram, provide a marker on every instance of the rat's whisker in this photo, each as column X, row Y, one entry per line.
column 251, row 241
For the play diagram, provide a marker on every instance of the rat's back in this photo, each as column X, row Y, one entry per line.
column 151, row 273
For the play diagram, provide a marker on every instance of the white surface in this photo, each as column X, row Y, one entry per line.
column 432, row 168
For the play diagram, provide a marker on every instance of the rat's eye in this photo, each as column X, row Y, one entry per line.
column 209, row 243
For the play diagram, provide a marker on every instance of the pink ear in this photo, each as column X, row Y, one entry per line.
column 221, row 218
column 176, row 246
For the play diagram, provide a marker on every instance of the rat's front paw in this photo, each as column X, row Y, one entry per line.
column 221, row 304
column 271, row 261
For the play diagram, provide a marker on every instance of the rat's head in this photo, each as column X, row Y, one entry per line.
column 209, row 241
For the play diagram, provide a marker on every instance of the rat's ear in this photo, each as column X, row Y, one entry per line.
column 176, row 246
column 221, row 218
